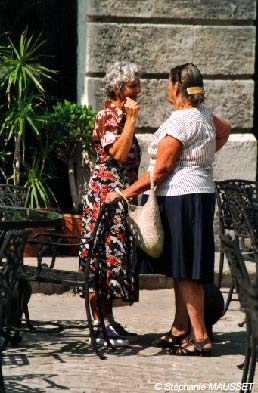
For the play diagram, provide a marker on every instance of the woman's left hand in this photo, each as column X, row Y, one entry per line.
column 112, row 196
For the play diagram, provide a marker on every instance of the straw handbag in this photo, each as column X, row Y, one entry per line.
column 145, row 224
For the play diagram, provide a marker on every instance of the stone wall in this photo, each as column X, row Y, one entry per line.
column 219, row 37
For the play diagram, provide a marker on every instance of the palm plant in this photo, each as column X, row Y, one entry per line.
column 22, row 75
column 37, row 179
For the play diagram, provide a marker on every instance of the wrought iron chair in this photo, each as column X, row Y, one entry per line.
column 14, row 278
column 19, row 196
column 231, row 195
column 243, row 205
column 49, row 241
column 49, row 274
column 85, row 280
column 11, row 195
column 247, row 292
column 15, row 291
column 224, row 190
column 4, row 296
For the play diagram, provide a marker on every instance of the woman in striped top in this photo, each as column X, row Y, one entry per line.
column 182, row 153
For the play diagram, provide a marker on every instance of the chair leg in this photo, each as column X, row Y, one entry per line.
column 247, row 351
column 230, row 295
column 221, row 265
column 2, row 387
column 252, row 366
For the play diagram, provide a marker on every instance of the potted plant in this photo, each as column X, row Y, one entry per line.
column 31, row 132
column 70, row 127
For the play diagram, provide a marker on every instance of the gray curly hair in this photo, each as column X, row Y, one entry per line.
column 118, row 74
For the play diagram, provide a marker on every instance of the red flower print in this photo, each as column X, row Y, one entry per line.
column 95, row 214
column 108, row 240
column 95, row 186
column 111, row 122
column 91, row 226
column 84, row 253
column 104, row 157
column 86, row 210
column 106, row 175
column 112, row 260
column 121, row 236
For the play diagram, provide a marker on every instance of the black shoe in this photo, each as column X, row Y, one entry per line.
column 198, row 350
column 115, row 339
column 169, row 340
column 121, row 330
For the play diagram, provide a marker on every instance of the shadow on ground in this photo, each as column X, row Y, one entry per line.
column 58, row 338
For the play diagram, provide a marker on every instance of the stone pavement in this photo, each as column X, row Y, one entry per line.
column 52, row 361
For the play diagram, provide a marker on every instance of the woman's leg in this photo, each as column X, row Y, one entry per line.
column 193, row 297
column 180, row 324
column 106, row 307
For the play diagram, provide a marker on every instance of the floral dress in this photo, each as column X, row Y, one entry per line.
column 113, row 241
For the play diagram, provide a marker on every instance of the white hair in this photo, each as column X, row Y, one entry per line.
column 118, row 74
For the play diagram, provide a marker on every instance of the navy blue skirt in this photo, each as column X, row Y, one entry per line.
column 189, row 239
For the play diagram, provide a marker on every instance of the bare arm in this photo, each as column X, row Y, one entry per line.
column 120, row 149
column 223, row 129
column 167, row 155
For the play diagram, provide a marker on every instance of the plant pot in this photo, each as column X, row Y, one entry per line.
column 71, row 225
column 28, row 249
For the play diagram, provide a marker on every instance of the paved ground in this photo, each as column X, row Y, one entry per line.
column 64, row 361
column 146, row 281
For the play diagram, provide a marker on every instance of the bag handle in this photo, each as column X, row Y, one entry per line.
column 152, row 178
column 120, row 193
column 151, row 183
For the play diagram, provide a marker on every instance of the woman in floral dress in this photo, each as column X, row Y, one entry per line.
column 118, row 159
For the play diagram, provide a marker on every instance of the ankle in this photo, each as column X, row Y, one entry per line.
column 97, row 323
column 110, row 318
column 178, row 331
column 201, row 338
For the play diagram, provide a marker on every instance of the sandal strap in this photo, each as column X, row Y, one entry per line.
column 199, row 344
column 177, row 339
column 169, row 340
column 199, row 349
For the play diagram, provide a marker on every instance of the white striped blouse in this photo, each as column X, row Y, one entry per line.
column 193, row 172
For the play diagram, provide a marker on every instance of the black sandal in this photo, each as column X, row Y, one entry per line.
column 169, row 340
column 199, row 349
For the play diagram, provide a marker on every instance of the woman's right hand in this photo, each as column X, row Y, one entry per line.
column 131, row 108
column 121, row 147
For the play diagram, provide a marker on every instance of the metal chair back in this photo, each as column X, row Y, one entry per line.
column 11, row 195
column 247, row 292
column 230, row 195
column 226, row 190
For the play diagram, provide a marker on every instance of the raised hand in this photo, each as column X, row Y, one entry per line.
column 131, row 108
